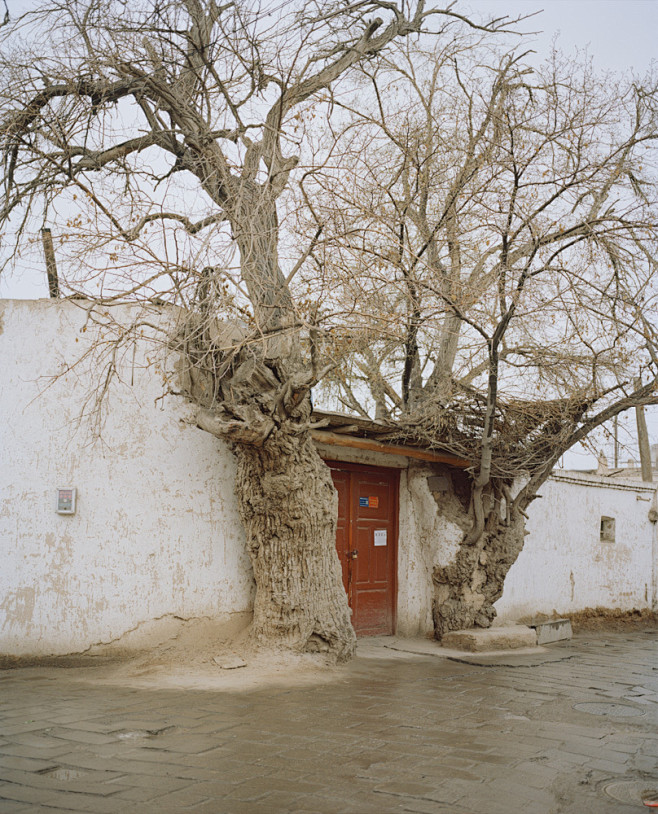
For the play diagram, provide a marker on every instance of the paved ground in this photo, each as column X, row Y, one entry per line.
column 396, row 733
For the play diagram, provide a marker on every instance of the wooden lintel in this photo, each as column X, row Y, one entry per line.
column 333, row 439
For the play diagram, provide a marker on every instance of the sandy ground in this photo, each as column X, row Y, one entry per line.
column 208, row 654
column 203, row 654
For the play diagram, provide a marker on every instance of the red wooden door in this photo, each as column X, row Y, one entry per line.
column 366, row 540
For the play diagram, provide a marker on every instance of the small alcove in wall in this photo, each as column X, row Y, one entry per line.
column 607, row 529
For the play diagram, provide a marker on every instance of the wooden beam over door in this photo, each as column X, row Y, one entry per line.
column 334, row 439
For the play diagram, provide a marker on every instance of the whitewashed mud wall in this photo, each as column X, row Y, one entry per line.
column 565, row 566
column 428, row 537
column 156, row 531
column 157, row 534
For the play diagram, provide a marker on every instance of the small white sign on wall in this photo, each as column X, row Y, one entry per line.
column 65, row 503
column 380, row 536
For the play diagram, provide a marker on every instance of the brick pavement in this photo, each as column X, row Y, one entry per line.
column 397, row 732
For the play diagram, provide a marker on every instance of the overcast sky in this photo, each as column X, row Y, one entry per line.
column 619, row 35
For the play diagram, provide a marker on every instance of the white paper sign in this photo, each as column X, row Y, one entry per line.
column 380, row 536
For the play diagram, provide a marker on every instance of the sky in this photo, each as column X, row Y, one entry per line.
column 619, row 35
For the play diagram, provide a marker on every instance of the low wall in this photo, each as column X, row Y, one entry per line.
column 565, row 565
column 156, row 531
column 568, row 563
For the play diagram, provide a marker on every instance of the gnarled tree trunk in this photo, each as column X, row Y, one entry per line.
column 465, row 590
column 288, row 505
column 254, row 392
column 287, row 501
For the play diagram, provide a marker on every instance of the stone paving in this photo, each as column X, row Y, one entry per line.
column 397, row 732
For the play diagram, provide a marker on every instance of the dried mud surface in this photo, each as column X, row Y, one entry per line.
column 188, row 653
column 613, row 619
column 602, row 619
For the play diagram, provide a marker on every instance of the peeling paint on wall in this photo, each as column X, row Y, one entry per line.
column 18, row 608
column 157, row 529
column 428, row 535
column 566, row 566
column 157, row 532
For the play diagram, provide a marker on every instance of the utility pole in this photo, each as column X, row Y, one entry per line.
column 643, row 443
column 51, row 266
column 615, row 425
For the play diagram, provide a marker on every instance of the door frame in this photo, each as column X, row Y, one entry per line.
column 395, row 472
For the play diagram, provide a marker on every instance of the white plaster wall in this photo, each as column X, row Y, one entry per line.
column 564, row 567
column 156, row 530
column 427, row 538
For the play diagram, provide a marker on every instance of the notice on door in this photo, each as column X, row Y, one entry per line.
column 380, row 537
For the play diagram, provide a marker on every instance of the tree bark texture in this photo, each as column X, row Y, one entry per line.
column 465, row 590
column 255, row 394
column 289, row 505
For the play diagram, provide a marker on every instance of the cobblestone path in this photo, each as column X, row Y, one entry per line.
column 573, row 733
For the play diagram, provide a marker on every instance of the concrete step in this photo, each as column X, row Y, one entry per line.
column 478, row 640
column 552, row 630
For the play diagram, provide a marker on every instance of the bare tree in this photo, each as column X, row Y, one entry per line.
column 159, row 139
column 497, row 233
